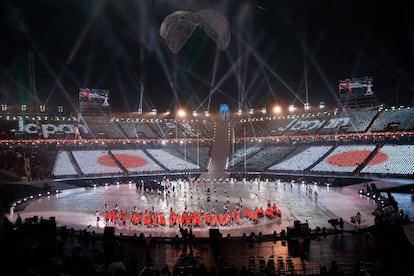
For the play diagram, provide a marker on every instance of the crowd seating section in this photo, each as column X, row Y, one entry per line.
column 63, row 165
column 171, row 161
column 261, row 127
column 148, row 165
column 306, row 125
column 364, row 150
column 349, row 122
column 241, row 153
column 400, row 161
column 89, row 162
column 167, row 129
column 387, row 120
column 303, row 158
column 137, row 130
column 310, row 124
column 394, row 120
column 264, row 158
column 296, row 143
column 105, row 129
column 202, row 158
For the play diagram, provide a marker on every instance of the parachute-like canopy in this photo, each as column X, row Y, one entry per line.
column 178, row 26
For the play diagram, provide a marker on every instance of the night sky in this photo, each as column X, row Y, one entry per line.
column 280, row 51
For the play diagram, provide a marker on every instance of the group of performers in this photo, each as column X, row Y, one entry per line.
column 155, row 218
column 202, row 188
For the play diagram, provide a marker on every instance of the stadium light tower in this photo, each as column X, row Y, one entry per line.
column 291, row 108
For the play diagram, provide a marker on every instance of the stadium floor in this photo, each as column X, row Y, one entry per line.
column 76, row 207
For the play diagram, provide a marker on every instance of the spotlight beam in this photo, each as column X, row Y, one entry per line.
column 207, row 83
column 75, row 48
column 213, row 77
column 164, row 66
column 49, row 68
column 258, row 58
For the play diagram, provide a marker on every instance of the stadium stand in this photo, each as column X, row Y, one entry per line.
column 63, row 166
column 37, row 147
column 100, row 128
column 394, row 120
column 243, row 152
column 349, row 122
column 170, row 161
column 262, row 159
column 136, row 161
column 398, row 160
column 304, row 158
column 344, row 158
column 97, row 162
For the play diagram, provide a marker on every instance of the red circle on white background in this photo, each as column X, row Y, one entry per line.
column 354, row 158
column 127, row 160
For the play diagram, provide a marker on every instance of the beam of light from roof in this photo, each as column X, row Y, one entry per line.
column 305, row 72
column 207, row 83
column 164, row 66
column 325, row 79
column 240, row 75
column 391, row 69
column 250, row 86
column 233, row 68
column 122, row 87
column 122, row 54
column 141, row 29
column 229, row 72
column 77, row 46
column 244, row 77
column 49, row 68
column 299, row 34
column 275, row 74
column 268, row 84
column 213, row 76
column 189, row 86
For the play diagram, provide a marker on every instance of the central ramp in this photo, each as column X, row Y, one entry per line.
column 219, row 152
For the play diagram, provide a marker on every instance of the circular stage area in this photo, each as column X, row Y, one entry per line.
column 309, row 203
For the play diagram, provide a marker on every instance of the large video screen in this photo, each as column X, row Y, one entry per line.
column 356, row 87
column 93, row 97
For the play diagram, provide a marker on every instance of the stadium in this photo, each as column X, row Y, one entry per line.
column 247, row 175
column 206, row 137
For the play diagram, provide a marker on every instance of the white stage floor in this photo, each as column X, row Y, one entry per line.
column 76, row 208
